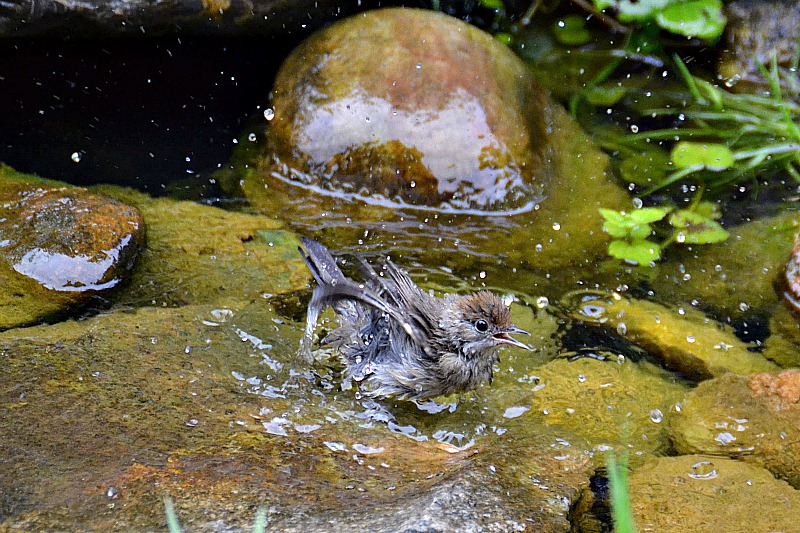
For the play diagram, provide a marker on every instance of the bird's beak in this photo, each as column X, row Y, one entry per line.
column 505, row 338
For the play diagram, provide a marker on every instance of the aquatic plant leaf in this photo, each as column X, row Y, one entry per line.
column 493, row 4
column 696, row 228
column 571, row 31
column 605, row 95
column 698, row 18
column 631, row 10
column 634, row 225
column 640, row 252
column 710, row 156
column 645, row 168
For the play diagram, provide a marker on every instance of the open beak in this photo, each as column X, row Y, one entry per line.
column 505, row 338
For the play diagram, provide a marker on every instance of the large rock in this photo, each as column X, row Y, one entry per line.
column 429, row 140
column 696, row 493
column 104, row 416
column 755, row 419
column 686, row 341
column 60, row 246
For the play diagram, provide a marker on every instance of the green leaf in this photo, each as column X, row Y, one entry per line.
column 505, row 38
column 697, row 18
column 571, row 31
column 632, row 10
column 646, row 215
column 645, row 168
column 615, row 223
column 493, row 4
column 694, row 228
column 710, row 156
column 604, row 95
column 634, row 225
column 709, row 210
column 639, row 252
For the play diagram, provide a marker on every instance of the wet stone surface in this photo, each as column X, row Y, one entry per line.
column 60, row 247
column 434, row 139
column 694, row 493
column 754, row 419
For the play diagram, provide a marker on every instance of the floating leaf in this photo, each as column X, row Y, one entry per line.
column 645, row 168
column 709, row 210
column 604, row 95
column 710, row 156
column 631, row 10
column 571, row 31
column 639, row 252
column 634, row 225
column 697, row 18
column 695, row 228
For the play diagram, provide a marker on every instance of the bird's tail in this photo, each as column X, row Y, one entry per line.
column 332, row 287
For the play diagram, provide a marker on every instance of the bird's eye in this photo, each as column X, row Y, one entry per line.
column 482, row 326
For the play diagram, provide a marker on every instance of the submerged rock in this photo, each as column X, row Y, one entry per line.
column 685, row 341
column 695, row 493
column 736, row 278
column 754, row 419
column 60, row 246
column 431, row 139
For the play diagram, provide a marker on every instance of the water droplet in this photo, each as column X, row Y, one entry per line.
column 622, row 328
column 743, row 306
column 251, row 137
column 269, row 114
column 193, row 423
column 514, row 412
column 637, row 203
column 556, row 226
column 703, row 470
column 690, row 339
column 621, row 359
column 681, row 237
column 542, row 302
column 634, row 128
column 482, row 274
column 76, row 157
column 725, row 438
column 581, row 378
column 538, row 247
column 419, row 66
column 656, row 416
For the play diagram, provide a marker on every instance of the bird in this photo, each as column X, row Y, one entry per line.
column 399, row 341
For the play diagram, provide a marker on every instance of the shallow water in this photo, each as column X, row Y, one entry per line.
column 197, row 392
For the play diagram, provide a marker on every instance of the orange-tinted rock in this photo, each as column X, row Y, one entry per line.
column 791, row 293
column 782, row 391
column 425, row 134
column 59, row 246
column 412, row 106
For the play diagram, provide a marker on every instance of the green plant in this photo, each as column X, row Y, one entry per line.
column 632, row 231
column 174, row 526
column 621, row 509
column 702, row 19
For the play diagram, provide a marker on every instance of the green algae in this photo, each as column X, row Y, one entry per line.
column 200, row 254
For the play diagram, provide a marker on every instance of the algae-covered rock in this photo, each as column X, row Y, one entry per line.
column 60, row 246
column 756, row 32
column 735, row 278
column 697, row 493
column 436, row 139
column 104, row 416
column 783, row 344
column 755, row 419
column 610, row 403
column 199, row 254
column 684, row 340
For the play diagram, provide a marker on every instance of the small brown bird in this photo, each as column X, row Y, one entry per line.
column 400, row 341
